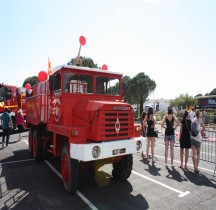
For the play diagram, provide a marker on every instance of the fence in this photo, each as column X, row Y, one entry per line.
column 208, row 148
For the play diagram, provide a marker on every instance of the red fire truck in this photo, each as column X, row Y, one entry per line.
column 79, row 114
column 13, row 98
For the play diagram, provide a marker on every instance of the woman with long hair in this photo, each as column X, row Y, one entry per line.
column 150, row 122
column 142, row 117
column 170, row 123
column 185, row 144
column 196, row 141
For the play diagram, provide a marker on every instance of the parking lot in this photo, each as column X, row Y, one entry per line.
column 27, row 184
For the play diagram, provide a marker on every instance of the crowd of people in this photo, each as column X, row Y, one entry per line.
column 188, row 140
column 8, row 124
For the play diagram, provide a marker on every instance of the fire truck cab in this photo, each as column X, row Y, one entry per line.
column 13, row 98
column 79, row 114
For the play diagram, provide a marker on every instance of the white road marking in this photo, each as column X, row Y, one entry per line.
column 78, row 192
column 18, row 161
column 181, row 194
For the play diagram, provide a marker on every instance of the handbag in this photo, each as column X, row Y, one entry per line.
column 155, row 133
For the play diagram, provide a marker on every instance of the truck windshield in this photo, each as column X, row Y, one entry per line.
column 78, row 83
column 2, row 90
column 107, row 85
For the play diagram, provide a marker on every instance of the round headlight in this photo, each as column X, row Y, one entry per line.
column 96, row 151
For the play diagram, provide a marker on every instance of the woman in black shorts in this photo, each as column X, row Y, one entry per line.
column 150, row 122
column 170, row 123
column 185, row 144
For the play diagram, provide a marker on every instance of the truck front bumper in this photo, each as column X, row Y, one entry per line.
column 86, row 152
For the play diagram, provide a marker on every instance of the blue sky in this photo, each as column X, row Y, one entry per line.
column 172, row 41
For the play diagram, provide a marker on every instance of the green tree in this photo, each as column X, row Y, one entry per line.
column 31, row 80
column 86, row 62
column 198, row 95
column 183, row 101
column 139, row 88
column 213, row 92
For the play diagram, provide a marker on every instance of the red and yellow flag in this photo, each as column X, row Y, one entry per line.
column 49, row 67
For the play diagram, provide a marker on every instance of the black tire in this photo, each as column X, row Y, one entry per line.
column 70, row 171
column 122, row 170
column 30, row 140
column 37, row 145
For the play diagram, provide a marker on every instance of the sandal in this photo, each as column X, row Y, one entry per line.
column 181, row 167
column 196, row 170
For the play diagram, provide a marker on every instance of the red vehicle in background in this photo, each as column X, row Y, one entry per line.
column 13, row 98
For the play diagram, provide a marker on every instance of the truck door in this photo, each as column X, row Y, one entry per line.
column 56, row 99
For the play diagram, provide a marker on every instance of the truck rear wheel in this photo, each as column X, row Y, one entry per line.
column 122, row 170
column 70, row 171
column 37, row 145
column 30, row 140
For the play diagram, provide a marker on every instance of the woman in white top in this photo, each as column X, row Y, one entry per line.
column 196, row 141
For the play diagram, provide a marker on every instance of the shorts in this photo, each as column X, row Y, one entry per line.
column 169, row 138
column 195, row 143
column 20, row 128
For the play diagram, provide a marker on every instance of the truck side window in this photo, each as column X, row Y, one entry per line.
column 107, row 85
column 8, row 94
column 2, row 93
column 57, row 82
column 113, row 86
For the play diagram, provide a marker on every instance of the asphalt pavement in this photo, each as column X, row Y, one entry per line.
column 29, row 184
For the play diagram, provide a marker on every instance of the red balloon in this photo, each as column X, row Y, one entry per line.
column 104, row 67
column 82, row 40
column 28, row 86
column 42, row 76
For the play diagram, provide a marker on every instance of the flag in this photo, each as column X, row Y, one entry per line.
column 49, row 67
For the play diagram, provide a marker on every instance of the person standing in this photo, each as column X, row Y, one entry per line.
column 196, row 141
column 185, row 132
column 143, row 115
column 6, row 124
column 203, row 116
column 170, row 123
column 192, row 113
column 19, row 122
column 150, row 122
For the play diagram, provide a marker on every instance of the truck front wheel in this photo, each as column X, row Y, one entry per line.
column 122, row 170
column 70, row 171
